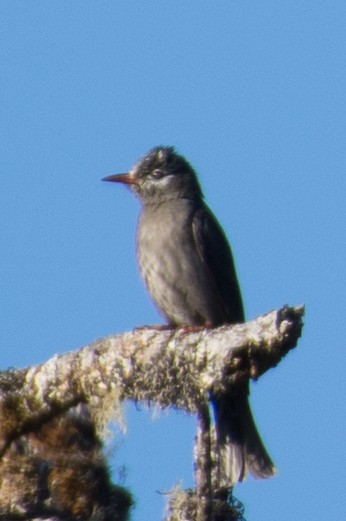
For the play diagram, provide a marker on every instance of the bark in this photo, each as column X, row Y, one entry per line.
column 41, row 406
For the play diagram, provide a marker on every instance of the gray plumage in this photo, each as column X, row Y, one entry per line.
column 188, row 268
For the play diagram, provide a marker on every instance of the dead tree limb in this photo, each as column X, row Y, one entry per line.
column 171, row 368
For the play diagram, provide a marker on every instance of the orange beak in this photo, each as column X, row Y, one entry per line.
column 126, row 179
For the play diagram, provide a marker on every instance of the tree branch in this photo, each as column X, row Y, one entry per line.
column 171, row 368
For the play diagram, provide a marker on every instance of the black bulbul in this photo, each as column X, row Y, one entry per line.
column 188, row 268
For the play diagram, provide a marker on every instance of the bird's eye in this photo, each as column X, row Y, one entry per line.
column 157, row 174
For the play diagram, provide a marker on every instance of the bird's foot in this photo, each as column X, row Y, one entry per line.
column 195, row 329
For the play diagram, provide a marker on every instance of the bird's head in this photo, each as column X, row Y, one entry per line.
column 160, row 175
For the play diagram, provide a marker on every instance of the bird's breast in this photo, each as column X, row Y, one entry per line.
column 171, row 266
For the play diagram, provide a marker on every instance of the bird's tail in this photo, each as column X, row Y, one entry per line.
column 239, row 445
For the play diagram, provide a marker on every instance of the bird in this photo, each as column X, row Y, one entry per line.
column 188, row 268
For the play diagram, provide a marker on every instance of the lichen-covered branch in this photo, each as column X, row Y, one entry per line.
column 47, row 447
column 169, row 367
column 57, row 472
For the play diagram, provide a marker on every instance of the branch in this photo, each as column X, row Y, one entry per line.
column 43, row 431
column 171, row 368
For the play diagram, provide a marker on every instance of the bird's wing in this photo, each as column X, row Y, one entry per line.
column 216, row 255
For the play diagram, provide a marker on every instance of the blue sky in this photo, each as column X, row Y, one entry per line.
column 253, row 93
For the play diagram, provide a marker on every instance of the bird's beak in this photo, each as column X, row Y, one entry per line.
column 127, row 179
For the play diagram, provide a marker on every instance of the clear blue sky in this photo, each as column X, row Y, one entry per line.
column 253, row 93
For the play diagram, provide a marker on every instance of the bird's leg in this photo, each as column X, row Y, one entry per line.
column 196, row 329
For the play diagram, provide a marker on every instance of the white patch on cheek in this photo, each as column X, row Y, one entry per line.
column 160, row 186
column 164, row 181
